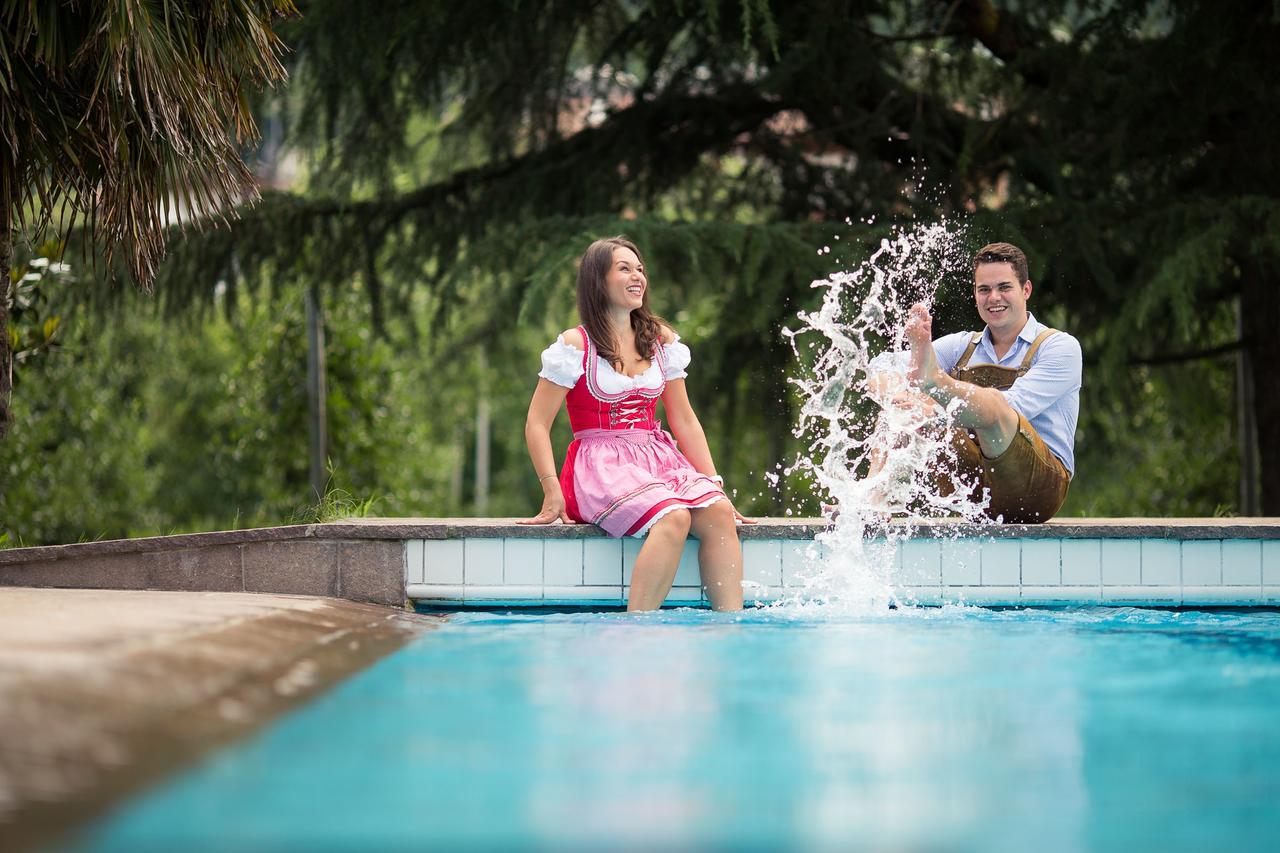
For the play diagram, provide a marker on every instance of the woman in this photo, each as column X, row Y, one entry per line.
column 623, row 472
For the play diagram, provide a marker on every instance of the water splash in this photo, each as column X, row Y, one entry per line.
column 870, row 462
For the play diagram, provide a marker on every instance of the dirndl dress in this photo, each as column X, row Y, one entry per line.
column 623, row 471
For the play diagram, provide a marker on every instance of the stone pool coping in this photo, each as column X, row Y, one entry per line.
column 365, row 529
column 372, row 560
column 105, row 691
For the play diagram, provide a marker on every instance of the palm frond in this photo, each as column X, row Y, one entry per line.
column 128, row 116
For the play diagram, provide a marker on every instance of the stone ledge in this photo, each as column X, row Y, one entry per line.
column 148, row 544
column 807, row 528
column 767, row 528
column 366, row 570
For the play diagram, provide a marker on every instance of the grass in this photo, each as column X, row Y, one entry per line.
column 335, row 505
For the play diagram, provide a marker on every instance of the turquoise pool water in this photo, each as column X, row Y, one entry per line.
column 931, row 729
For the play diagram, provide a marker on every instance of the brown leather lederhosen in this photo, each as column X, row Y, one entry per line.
column 993, row 375
column 1027, row 482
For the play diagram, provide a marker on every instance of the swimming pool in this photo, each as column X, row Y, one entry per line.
column 924, row 729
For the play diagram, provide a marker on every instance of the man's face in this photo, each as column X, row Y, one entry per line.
column 1001, row 301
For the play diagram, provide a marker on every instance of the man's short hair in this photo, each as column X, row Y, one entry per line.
column 1003, row 253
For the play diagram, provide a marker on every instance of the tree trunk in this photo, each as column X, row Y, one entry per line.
column 1246, row 425
column 1260, row 310
column 483, row 438
column 6, row 357
column 317, row 396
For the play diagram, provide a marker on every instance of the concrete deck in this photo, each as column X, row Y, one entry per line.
column 104, row 691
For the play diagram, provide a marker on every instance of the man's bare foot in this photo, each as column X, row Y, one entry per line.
column 924, row 361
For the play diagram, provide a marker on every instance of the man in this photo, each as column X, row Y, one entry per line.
column 1014, row 390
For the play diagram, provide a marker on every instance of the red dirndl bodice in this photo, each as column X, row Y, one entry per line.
column 592, row 408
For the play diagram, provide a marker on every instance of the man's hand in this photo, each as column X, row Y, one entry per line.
column 924, row 361
column 891, row 391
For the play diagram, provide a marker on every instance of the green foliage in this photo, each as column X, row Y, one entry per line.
column 138, row 426
column 33, row 326
column 460, row 156
column 73, row 466
column 1155, row 443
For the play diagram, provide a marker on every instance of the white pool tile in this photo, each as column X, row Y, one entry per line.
column 924, row 595
column 442, row 561
column 522, row 561
column 413, row 562
column 1218, row 595
column 1058, row 594
column 435, row 592
column 1202, row 563
column 504, row 592
column 602, row 562
column 762, row 561
column 562, row 562
column 1143, row 594
column 482, row 562
column 926, row 571
column 759, row 594
column 921, row 562
column 1271, row 562
column 1121, row 562
column 956, row 594
column 603, row 594
column 630, row 550
column 1081, row 562
column 994, row 595
column 688, row 572
column 768, row 594
column 961, row 562
column 1001, row 563
column 882, row 558
column 1161, row 562
column 1242, row 562
column 1041, row 562
column 798, row 558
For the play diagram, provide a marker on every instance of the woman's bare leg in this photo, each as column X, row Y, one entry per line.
column 719, row 555
column 658, row 560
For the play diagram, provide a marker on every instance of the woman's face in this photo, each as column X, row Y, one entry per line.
column 625, row 283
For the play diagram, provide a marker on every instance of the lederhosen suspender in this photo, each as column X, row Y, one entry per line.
column 993, row 375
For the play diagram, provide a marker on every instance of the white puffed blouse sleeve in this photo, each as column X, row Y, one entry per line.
column 678, row 358
column 561, row 363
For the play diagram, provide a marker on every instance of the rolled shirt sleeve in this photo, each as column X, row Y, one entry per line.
column 1055, row 374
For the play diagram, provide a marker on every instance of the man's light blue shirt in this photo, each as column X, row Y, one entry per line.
column 1048, row 395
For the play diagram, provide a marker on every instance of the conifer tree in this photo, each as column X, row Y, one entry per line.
column 1125, row 142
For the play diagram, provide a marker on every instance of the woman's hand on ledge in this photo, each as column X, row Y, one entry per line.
column 553, row 509
column 740, row 518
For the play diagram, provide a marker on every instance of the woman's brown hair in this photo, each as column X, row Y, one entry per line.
column 593, row 304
